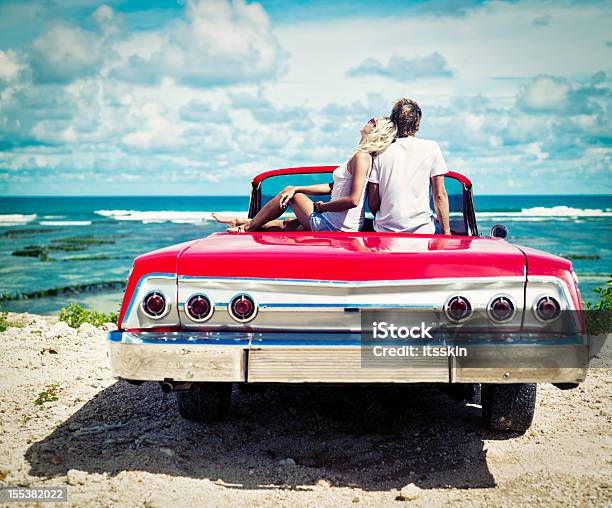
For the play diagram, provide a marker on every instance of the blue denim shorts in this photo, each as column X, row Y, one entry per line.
column 318, row 222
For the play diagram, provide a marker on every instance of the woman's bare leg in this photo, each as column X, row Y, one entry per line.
column 282, row 225
column 273, row 225
column 270, row 211
column 301, row 205
column 230, row 220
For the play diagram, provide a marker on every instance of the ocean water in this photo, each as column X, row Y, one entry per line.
column 85, row 240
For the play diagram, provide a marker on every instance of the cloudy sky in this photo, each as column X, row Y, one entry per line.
column 196, row 96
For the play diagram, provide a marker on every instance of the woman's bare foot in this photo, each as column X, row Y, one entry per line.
column 229, row 220
column 236, row 229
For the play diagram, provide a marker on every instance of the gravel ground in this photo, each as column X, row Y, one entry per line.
column 112, row 443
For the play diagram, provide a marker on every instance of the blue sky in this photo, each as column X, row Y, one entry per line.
column 195, row 97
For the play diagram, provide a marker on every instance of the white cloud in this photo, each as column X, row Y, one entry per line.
column 545, row 94
column 152, row 128
column 9, row 67
column 65, row 53
column 553, row 94
column 405, row 69
column 164, row 118
column 220, row 43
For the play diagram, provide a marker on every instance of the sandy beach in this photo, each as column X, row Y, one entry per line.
column 112, row 443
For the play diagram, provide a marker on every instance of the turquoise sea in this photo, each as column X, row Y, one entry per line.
column 77, row 241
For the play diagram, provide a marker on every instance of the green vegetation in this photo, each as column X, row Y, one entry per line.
column 82, row 240
column 33, row 251
column 67, row 247
column 4, row 322
column 598, row 316
column 20, row 233
column 575, row 257
column 75, row 315
column 73, row 289
column 98, row 257
column 94, row 257
column 68, row 244
column 49, row 394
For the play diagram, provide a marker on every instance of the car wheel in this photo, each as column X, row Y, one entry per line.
column 205, row 402
column 508, row 408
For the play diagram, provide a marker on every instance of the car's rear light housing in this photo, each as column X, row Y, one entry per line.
column 155, row 305
column 501, row 309
column 199, row 308
column 458, row 309
column 547, row 309
column 242, row 308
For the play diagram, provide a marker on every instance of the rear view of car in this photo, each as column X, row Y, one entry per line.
column 306, row 307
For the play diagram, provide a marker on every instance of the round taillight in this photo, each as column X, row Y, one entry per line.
column 501, row 309
column 458, row 309
column 242, row 308
column 154, row 305
column 547, row 309
column 199, row 308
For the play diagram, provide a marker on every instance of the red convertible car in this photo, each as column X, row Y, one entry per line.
column 297, row 307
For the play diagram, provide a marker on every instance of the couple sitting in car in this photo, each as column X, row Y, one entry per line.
column 390, row 165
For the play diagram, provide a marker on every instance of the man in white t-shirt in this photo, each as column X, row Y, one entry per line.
column 399, row 183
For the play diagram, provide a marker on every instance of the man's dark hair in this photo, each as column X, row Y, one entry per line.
column 407, row 116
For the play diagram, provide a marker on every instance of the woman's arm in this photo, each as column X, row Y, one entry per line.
column 319, row 189
column 361, row 163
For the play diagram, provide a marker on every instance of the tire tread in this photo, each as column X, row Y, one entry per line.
column 508, row 407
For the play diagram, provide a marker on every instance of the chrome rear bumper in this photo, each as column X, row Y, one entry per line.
column 329, row 358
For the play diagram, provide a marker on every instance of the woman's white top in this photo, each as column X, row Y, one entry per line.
column 353, row 218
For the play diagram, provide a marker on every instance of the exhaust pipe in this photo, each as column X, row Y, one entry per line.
column 168, row 386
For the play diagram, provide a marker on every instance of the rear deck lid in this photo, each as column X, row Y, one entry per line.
column 349, row 256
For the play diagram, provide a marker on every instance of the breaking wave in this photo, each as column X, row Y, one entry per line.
column 552, row 212
column 177, row 217
column 65, row 223
column 535, row 214
column 16, row 219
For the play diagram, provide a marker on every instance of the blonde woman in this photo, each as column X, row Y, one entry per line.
column 345, row 209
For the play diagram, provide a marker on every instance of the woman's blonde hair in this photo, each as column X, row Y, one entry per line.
column 379, row 138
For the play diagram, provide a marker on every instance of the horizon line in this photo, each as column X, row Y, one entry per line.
column 236, row 195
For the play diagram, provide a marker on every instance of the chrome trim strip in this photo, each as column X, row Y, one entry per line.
column 319, row 306
column 372, row 283
column 327, row 339
column 356, row 305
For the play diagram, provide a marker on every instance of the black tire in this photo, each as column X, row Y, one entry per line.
column 508, row 408
column 205, row 402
